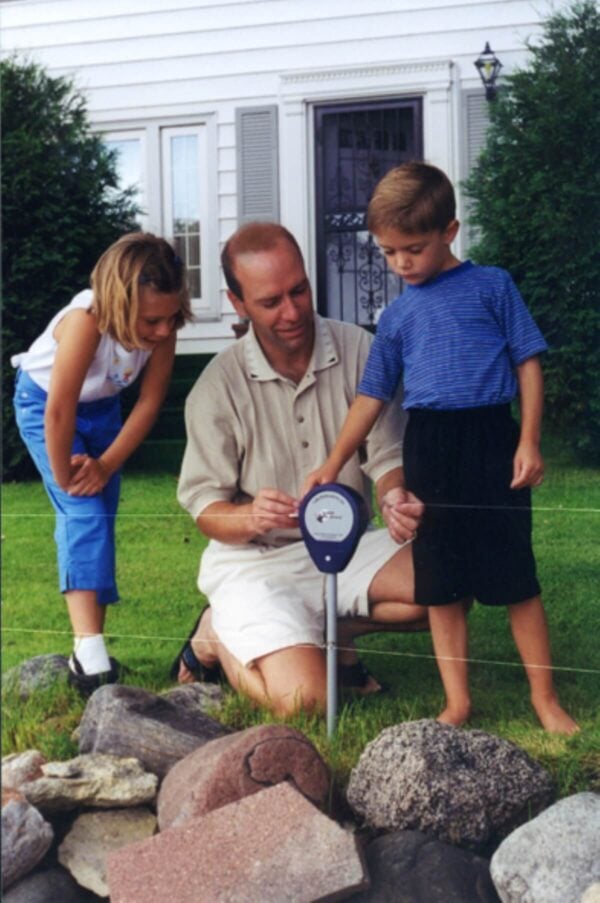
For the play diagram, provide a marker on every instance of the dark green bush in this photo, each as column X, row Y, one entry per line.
column 535, row 196
column 60, row 210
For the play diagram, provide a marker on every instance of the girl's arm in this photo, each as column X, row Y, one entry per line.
column 93, row 474
column 77, row 337
column 528, row 464
column 363, row 413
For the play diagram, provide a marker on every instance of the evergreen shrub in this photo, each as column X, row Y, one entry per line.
column 535, row 198
column 61, row 208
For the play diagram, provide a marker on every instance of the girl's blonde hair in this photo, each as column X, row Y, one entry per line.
column 135, row 260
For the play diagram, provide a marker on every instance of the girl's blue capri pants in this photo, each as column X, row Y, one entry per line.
column 85, row 525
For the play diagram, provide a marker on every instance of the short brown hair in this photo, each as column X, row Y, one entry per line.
column 414, row 197
column 135, row 260
column 251, row 239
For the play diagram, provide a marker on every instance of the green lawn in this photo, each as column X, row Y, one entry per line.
column 158, row 553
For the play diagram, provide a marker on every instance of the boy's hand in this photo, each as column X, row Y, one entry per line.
column 528, row 466
column 402, row 512
column 323, row 474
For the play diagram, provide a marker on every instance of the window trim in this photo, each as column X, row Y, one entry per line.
column 151, row 130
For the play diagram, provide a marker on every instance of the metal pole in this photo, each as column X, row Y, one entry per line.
column 331, row 645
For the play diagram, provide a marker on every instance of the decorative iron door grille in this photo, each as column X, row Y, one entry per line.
column 356, row 145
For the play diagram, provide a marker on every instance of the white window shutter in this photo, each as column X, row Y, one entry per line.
column 257, row 164
column 477, row 121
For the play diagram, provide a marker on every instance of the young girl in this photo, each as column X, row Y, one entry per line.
column 68, row 413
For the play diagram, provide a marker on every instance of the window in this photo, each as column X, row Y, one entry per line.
column 130, row 151
column 170, row 167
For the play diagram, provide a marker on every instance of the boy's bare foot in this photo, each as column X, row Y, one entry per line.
column 454, row 716
column 204, row 646
column 553, row 717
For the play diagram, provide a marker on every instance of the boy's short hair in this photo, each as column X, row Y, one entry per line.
column 251, row 239
column 414, row 197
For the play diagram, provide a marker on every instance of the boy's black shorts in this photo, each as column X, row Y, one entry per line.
column 475, row 538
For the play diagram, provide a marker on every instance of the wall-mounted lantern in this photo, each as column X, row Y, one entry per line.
column 488, row 65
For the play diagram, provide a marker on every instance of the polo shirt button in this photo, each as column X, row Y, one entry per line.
column 300, row 419
column 304, row 444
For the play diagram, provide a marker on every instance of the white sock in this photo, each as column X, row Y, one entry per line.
column 91, row 654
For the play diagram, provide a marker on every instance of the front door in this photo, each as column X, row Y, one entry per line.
column 356, row 144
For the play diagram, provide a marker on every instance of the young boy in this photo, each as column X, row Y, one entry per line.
column 464, row 342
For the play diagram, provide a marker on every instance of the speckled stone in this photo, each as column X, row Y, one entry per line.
column 271, row 847
column 230, row 768
column 467, row 788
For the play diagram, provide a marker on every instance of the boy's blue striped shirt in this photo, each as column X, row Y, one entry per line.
column 456, row 340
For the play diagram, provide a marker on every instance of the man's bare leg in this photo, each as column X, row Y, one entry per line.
column 284, row 681
column 391, row 609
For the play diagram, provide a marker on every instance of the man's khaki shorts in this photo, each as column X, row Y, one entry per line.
column 264, row 598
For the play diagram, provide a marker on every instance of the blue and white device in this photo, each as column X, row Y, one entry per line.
column 333, row 517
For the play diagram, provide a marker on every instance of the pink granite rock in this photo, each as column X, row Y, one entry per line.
column 230, row 768
column 270, row 847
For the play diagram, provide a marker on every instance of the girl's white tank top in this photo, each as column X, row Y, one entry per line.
column 112, row 369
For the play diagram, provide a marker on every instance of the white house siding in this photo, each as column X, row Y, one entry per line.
column 158, row 63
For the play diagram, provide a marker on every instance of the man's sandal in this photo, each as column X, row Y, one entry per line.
column 355, row 677
column 201, row 673
column 87, row 683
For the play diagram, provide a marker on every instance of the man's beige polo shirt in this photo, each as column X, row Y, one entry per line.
column 249, row 428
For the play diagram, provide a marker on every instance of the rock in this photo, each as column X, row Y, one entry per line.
column 592, row 894
column 227, row 769
column 555, row 857
column 26, row 838
column 129, row 721
column 36, row 673
column 196, row 697
column 53, row 885
column 410, row 867
column 95, row 834
column 8, row 795
column 467, row 788
column 20, row 767
column 270, row 847
column 95, row 780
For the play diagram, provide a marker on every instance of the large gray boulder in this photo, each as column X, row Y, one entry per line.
column 229, row 768
column 26, row 838
column 555, row 858
column 129, row 721
column 467, row 788
column 410, row 867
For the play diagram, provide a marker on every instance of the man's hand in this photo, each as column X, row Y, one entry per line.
column 326, row 473
column 402, row 512
column 88, row 476
column 528, row 466
column 272, row 510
